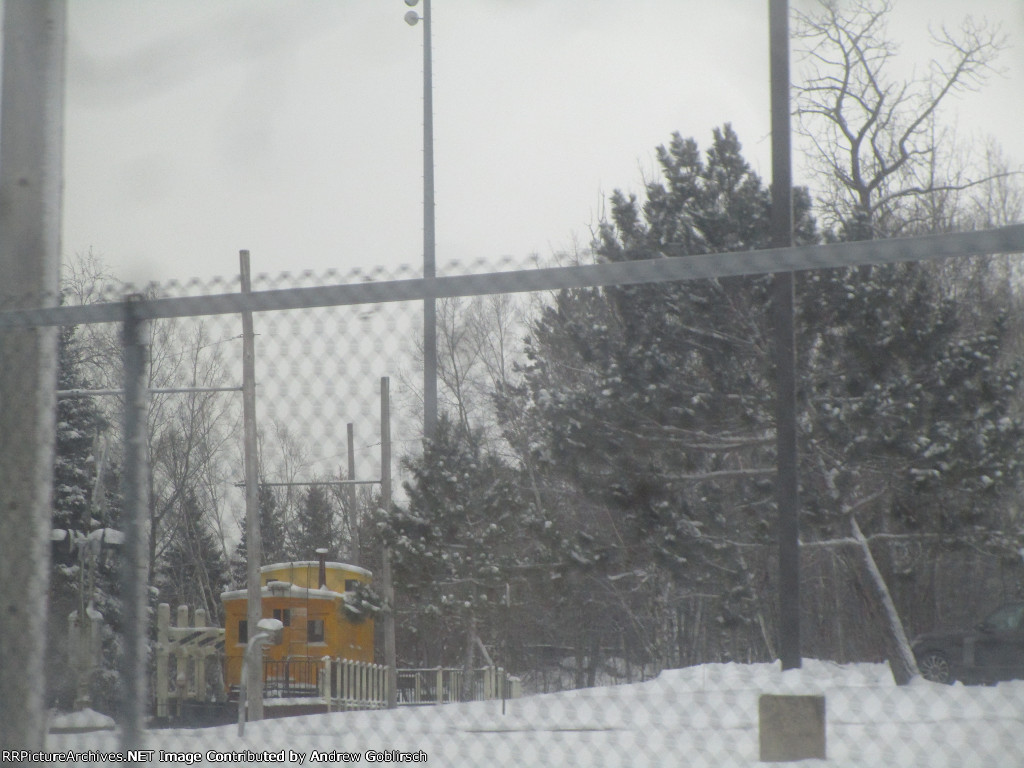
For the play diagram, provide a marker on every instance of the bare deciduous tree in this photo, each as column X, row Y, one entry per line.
column 477, row 343
column 191, row 447
column 876, row 140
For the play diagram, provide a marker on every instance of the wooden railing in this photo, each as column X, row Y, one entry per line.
column 347, row 684
column 192, row 646
column 341, row 684
column 442, row 685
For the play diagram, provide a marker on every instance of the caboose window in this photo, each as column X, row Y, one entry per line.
column 284, row 615
column 243, row 631
column 351, row 585
column 315, row 631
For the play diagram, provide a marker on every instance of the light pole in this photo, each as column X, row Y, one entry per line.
column 429, row 304
column 270, row 632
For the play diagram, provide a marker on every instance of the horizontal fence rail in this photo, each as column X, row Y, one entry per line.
column 1008, row 239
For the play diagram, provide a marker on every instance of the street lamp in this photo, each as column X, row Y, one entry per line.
column 270, row 632
column 429, row 304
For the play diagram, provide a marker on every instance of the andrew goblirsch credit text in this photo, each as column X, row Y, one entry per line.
column 382, row 756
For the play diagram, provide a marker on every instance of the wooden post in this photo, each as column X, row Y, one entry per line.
column 353, row 513
column 181, row 667
column 200, row 678
column 324, row 682
column 253, row 540
column 350, row 683
column 163, row 639
column 386, row 584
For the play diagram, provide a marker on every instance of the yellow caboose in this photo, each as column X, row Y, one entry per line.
column 309, row 598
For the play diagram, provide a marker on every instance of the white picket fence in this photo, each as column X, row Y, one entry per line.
column 442, row 685
column 349, row 685
column 340, row 684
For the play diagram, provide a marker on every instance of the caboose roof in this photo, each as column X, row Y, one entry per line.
column 301, row 593
column 316, row 564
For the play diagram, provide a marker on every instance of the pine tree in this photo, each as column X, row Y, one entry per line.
column 909, row 386
column 272, row 537
column 911, row 428
column 464, row 533
column 84, row 579
column 654, row 403
column 315, row 526
column 650, row 408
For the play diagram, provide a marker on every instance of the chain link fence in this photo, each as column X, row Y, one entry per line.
column 544, row 612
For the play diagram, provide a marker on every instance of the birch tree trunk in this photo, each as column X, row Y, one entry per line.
column 901, row 657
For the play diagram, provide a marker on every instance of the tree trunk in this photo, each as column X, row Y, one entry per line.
column 594, row 658
column 837, row 609
column 901, row 657
column 469, row 661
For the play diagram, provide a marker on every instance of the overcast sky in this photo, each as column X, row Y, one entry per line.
column 293, row 128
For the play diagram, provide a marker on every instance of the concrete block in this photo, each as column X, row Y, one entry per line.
column 791, row 728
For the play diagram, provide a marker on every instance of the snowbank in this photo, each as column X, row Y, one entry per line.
column 700, row 716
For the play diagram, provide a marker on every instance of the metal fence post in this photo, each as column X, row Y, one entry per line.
column 787, row 493
column 135, row 569
column 31, row 148
column 253, row 536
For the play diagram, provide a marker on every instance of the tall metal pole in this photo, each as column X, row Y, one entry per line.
column 785, row 345
column 429, row 256
column 31, row 141
column 136, row 522
column 253, row 537
column 386, row 584
column 353, row 514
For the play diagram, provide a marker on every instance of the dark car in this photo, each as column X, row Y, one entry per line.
column 992, row 651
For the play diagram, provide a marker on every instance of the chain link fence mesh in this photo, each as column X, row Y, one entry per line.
column 578, row 660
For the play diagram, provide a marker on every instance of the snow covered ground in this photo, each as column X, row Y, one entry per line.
column 700, row 716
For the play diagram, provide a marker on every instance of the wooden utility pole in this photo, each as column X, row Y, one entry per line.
column 385, row 576
column 253, row 538
column 353, row 514
column 31, row 160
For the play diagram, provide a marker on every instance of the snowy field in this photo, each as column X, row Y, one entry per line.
column 700, row 716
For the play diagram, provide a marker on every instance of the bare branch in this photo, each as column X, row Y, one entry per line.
column 872, row 136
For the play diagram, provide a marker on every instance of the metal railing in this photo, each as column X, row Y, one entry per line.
column 443, row 685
